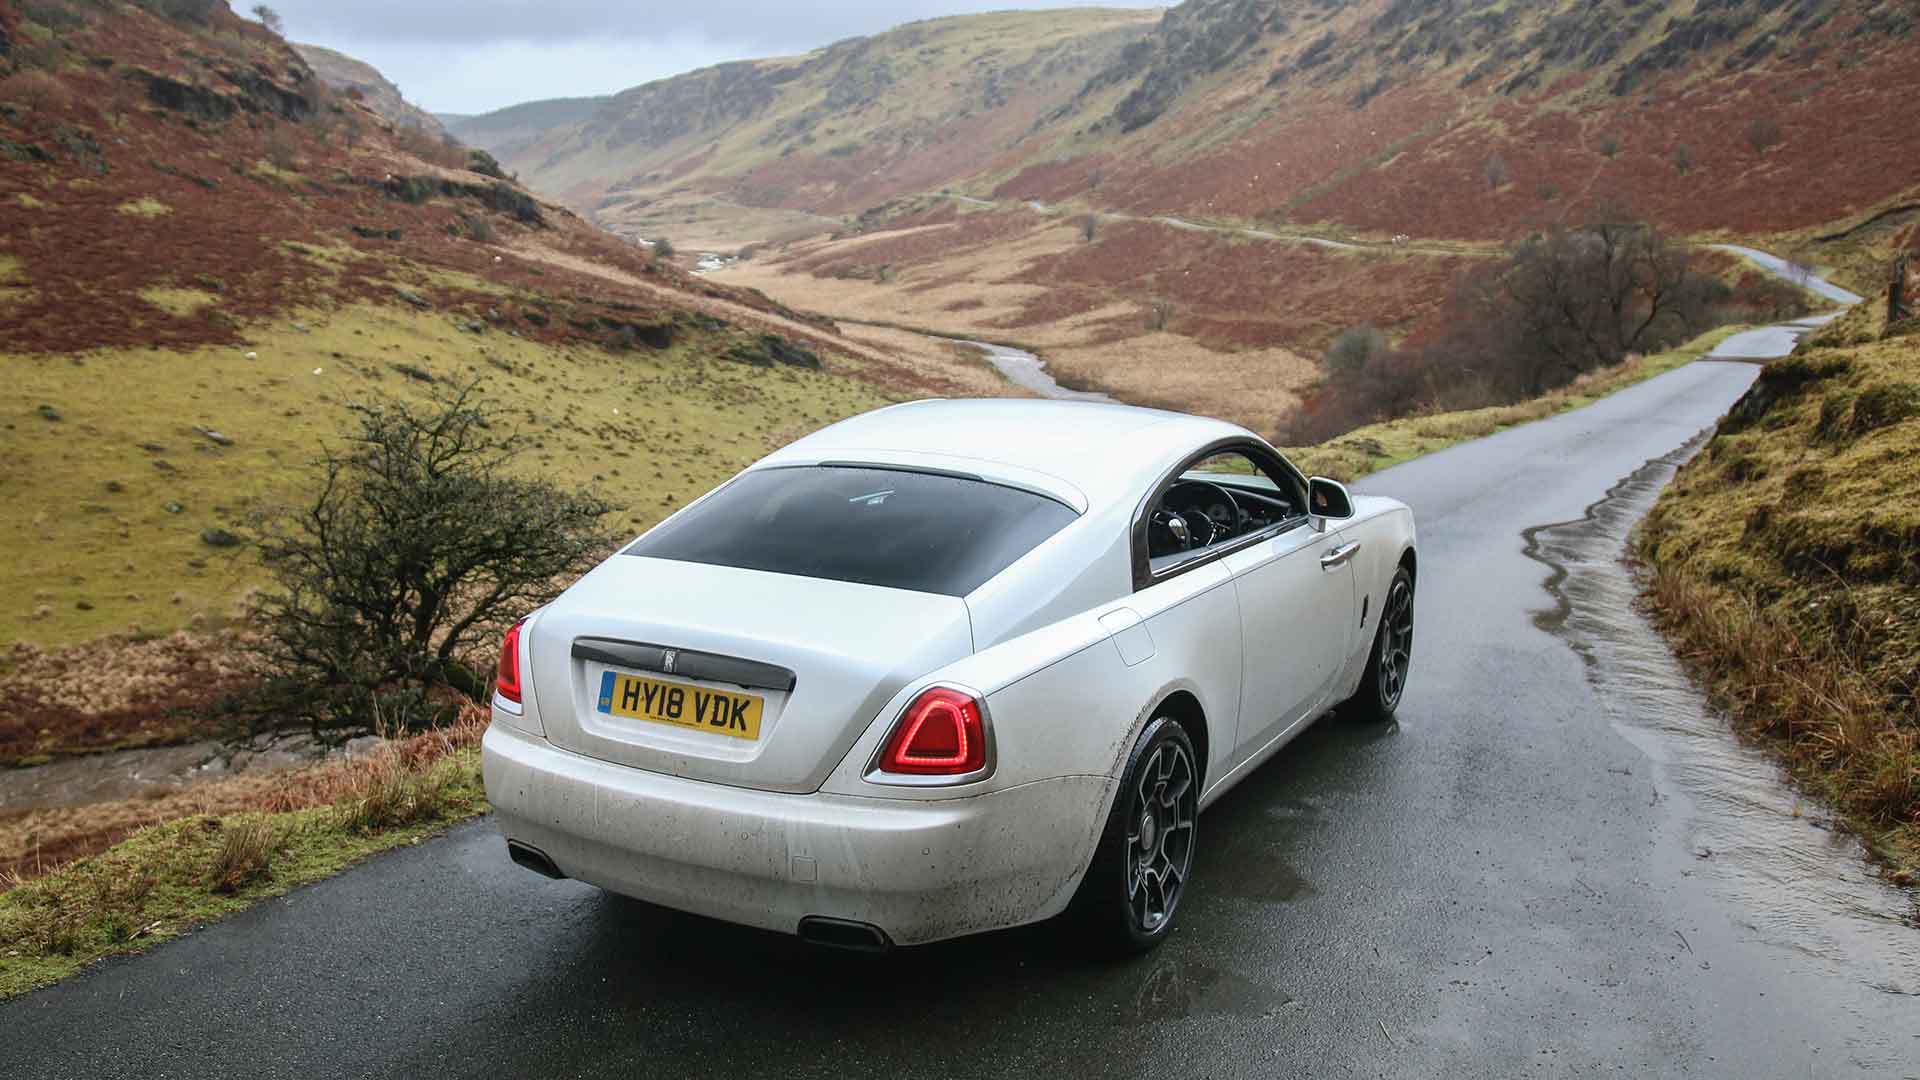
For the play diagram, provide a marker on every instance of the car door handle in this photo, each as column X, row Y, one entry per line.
column 1340, row 556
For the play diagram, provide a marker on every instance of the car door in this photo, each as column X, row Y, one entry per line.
column 1294, row 584
column 1296, row 618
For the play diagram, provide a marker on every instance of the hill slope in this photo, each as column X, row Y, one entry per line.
column 207, row 253
column 346, row 75
column 1450, row 118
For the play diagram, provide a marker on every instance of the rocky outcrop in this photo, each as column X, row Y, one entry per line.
column 359, row 79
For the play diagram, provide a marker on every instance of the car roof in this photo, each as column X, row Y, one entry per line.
column 1100, row 451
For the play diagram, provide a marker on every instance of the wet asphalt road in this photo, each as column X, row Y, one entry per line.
column 1491, row 887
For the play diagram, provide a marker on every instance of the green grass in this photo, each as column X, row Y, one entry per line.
column 1384, row 445
column 105, row 534
column 168, row 879
column 146, row 206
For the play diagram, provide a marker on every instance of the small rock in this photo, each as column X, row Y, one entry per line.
column 412, row 297
column 317, row 371
column 171, row 507
column 164, row 465
column 301, row 327
column 196, row 564
column 253, row 356
column 49, row 413
column 82, row 605
column 219, row 538
column 42, row 611
column 153, row 448
column 214, row 436
column 116, row 486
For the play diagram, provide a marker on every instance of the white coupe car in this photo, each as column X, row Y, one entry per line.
column 946, row 667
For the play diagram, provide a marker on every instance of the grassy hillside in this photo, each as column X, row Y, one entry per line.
column 1787, row 563
column 207, row 253
column 1437, row 118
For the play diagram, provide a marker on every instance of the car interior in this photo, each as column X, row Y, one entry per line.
column 1216, row 500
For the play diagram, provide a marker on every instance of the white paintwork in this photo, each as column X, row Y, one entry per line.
column 1070, row 657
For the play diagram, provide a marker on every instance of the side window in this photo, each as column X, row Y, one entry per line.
column 1216, row 500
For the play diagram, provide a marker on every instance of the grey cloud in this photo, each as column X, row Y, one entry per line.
column 783, row 23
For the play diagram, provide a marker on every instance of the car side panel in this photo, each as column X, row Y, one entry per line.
column 1385, row 531
column 1064, row 701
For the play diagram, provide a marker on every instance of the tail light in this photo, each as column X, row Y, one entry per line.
column 507, row 683
column 942, row 733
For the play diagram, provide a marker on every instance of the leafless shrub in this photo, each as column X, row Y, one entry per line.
column 1158, row 315
column 281, row 151
column 1496, row 172
column 1763, row 134
column 1609, row 147
column 1683, row 160
column 1089, row 225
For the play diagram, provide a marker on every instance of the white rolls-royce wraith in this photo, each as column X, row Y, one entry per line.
column 946, row 667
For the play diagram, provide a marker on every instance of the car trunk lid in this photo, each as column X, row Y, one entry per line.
column 710, row 655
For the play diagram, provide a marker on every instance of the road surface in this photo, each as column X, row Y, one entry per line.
column 1783, row 268
column 1507, row 882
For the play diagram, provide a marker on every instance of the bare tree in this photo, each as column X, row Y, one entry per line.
column 1802, row 261
column 1683, row 160
column 1158, row 315
column 1763, row 134
column 1496, row 172
column 270, row 19
column 421, row 544
column 1089, row 227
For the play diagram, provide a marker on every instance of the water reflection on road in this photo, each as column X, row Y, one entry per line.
column 1802, row 884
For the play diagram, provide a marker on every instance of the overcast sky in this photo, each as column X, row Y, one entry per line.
column 468, row 56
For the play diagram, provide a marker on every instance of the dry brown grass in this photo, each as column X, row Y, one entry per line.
column 245, row 854
column 395, row 784
column 1104, row 344
column 1811, row 703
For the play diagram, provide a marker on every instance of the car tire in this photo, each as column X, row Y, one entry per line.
column 1124, row 904
column 1385, row 680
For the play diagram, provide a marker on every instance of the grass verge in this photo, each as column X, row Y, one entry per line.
column 1786, row 562
column 171, row 877
column 1380, row 446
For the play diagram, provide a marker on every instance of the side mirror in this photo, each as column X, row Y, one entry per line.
column 1328, row 499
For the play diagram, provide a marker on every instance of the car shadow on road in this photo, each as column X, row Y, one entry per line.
column 769, row 997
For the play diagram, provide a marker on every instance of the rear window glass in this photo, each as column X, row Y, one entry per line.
column 904, row 530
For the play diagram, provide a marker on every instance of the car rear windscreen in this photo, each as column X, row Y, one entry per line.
column 927, row 532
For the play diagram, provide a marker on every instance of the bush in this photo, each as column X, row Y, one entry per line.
column 419, row 548
column 1496, row 172
column 198, row 12
column 1562, row 303
column 1763, row 133
column 663, row 248
column 1354, row 350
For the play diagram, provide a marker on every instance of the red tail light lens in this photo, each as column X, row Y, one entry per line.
column 943, row 733
column 507, row 682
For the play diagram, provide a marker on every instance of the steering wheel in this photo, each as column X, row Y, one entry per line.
column 1215, row 530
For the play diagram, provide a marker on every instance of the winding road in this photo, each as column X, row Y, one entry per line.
column 1555, row 863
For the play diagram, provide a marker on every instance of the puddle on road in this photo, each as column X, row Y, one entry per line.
column 1174, row 989
column 1800, row 883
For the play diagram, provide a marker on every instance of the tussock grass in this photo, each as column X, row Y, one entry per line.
column 170, row 877
column 1787, row 567
column 1379, row 446
column 145, row 206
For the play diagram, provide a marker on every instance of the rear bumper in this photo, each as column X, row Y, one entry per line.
column 920, row 870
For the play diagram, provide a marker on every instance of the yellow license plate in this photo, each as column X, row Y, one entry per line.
column 681, row 705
